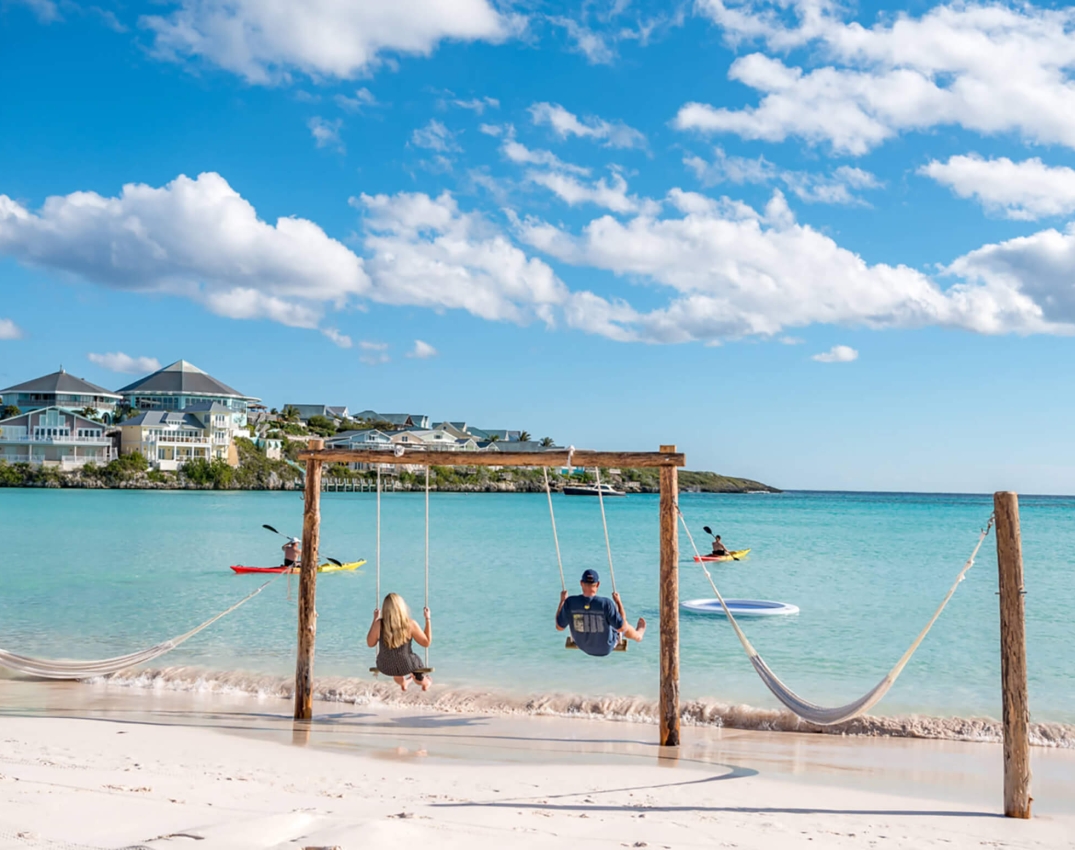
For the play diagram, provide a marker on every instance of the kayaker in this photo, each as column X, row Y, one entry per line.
column 596, row 622
column 718, row 547
column 292, row 552
column 393, row 630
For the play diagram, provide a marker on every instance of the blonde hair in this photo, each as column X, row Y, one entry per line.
column 395, row 621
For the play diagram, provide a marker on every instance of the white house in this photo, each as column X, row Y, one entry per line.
column 366, row 438
column 56, row 437
column 181, row 385
column 170, row 438
column 64, row 391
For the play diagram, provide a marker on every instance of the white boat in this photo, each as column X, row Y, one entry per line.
column 590, row 489
column 740, row 607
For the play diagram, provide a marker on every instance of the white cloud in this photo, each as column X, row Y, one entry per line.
column 990, row 69
column 733, row 271
column 838, row 187
column 478, row 105
column 117, row 361
column 494, row 130
column 424, row 251
column 326, row 133
column 197, row 239
column 1020, row 190
column 46, row 10
column 340, row 339
column 422, row 350
column 265, row 42
column 436, row 137
column 9, row 330
column 610, row 194
column 363, row 98
column 837, row 354
column 589, row 42
column 614, row 134
column 375, row 352
column 522, row 155
column 1041, row 267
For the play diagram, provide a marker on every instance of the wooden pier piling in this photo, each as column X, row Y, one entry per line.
column 1016, row 705
column 311, row 541
column 669, row 602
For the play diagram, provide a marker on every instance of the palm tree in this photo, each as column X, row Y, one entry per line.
column 524, row 437
column 494, row 438
column 290, row 413
column 547, row 442
column 9, row 411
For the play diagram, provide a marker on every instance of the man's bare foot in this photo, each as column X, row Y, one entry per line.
column 640, row 629
column 426, row 682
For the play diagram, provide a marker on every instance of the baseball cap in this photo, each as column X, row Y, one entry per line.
column 590, row 577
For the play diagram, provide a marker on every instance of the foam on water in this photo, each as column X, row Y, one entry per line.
column 699, row 712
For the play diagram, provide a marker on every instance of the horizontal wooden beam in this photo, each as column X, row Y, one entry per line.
column 422, row 457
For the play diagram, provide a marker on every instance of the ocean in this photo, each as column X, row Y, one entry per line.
column 91, row 574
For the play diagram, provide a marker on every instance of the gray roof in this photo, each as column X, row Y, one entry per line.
column 162, row 418
column 60, row 382
column 181, row 377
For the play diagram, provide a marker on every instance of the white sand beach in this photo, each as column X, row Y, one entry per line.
column 89, row 766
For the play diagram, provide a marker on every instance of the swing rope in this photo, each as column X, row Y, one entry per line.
column 817, row 714
column 427, row 553
column 604, row 522
column 378, row 597
column 555, row 538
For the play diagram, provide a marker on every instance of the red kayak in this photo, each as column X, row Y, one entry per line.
column 324, row 568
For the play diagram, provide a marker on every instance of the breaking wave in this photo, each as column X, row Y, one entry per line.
column 698, row 712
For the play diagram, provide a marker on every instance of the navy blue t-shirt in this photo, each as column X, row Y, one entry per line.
column 593, row 622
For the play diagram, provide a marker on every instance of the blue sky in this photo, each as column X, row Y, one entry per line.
column 821, row 245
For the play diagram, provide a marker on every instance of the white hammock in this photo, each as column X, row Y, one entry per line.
column 805, row 709
column 46, row 669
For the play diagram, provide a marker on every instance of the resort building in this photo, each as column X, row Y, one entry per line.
column 183, row 385
column 64, row 391
column 397, row 420
column 437, row 438
column 170, row 438
column 54, row 436
column 309, row 411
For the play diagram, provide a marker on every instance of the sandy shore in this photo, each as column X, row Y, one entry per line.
column 99, row 767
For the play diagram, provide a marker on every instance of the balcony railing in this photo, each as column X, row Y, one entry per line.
column 196, row 441
column 99, row 441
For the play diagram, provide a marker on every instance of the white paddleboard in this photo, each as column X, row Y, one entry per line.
column 740, row 607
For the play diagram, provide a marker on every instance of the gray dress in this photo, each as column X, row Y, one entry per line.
column 401, row 661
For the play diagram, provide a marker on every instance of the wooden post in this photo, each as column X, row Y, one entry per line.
column 311, row 541
column 1013, row 658
column 669, row 701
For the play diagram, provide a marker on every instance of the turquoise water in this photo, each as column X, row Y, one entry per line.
column 89, row 574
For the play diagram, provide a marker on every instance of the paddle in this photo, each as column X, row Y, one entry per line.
column 709, row 531
column 274, row 531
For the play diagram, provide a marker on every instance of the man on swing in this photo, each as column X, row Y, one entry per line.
column 596, row 622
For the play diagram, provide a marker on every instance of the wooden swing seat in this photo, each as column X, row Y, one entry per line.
column 619, row 647
column 375, row 671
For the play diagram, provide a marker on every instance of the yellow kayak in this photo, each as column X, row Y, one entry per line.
column 731, row 556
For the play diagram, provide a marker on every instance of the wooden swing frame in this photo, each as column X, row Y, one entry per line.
column 667, row 459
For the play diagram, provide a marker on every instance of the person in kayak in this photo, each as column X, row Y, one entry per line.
column 718, row 547
column 393, row 630
column 292, row 552
column 596, row 622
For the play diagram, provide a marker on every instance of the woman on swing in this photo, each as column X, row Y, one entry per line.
column 393, row 629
